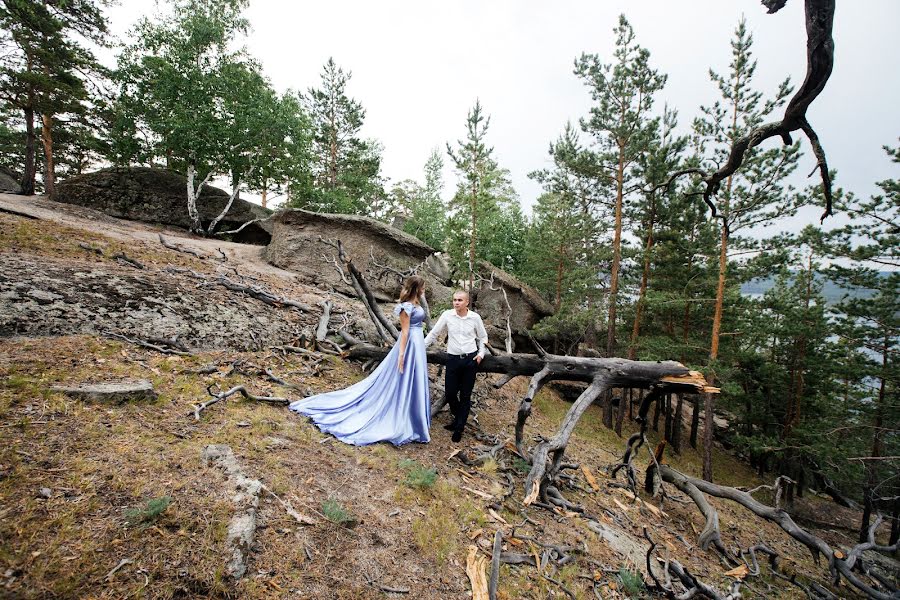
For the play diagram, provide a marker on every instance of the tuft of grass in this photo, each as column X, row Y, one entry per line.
column 631, row 581
column 435, row 533
column 489, row 467
column 417, row 475
column 147, row 514
column 337, row 514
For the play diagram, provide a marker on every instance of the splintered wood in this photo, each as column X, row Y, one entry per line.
column 475, row 569
column 693, row 378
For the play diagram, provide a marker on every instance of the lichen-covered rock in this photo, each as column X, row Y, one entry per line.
column 44, row 296
column 9, row 183
column 110, row 392
column 500, row 297
column 377, row 249
column 159, row 196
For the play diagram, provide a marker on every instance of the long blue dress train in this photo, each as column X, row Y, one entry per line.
column 385, row 406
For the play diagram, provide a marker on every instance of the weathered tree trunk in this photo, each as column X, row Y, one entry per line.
column 28, row 174
column 617, row 254
column 668, row 423
column 607, row 409
column 620, row 411
column 678, row 426
column 695, row 423
column 645, row 276
column 49, row 168
column 193, row 194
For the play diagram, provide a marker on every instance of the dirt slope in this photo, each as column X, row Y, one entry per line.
column 70, row 472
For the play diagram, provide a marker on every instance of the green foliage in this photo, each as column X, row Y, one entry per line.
column 147, row 514
column 631, row 581
column 417, row 475
column 520, row 465
column 486, row 221
column 345, row 168
column 189, row 98
column 48, row 72
column 336, row 513
column 423, row 209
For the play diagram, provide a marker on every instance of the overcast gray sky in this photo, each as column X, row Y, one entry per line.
column 418, row 67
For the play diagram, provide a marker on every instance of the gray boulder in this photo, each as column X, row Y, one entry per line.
column 9, row 183
column 381, row 253
column 112, row 393
column 160, row 196
column 502, row 300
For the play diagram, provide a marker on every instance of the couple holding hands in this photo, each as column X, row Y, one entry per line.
column 393, row 403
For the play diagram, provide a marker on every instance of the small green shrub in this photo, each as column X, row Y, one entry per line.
column 147, row 514
column 417, row 475
column 632, row 582
column 521, row 465
column 336, row 513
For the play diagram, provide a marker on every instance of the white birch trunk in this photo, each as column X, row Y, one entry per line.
column 234, row 192
column 192, row 195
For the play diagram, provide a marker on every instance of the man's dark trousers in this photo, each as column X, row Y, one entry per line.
column 459, row 379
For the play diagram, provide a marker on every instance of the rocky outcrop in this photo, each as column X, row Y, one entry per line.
column 41, row 296
column 503, row 300
column 9, row 183
column 300, row 243
column 110, row 392
column 160, row 196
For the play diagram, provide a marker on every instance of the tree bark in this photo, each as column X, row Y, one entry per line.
column 28, row 175
column 617, row 255
column 645, row 276
column 677, row 426
column 49, row 169
column 695, row 423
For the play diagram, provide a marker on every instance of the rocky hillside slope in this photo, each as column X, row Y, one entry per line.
column 139, row 499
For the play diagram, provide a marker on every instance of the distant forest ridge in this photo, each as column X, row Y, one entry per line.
column 832, row 292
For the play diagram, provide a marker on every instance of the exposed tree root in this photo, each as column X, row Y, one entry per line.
column 219, row 396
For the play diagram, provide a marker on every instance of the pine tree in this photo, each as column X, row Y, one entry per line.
column 869, row 253
column 345, row 167
column 621, row 128
column 46, row 70
column 752, row 197
column 564, row 249
column 485, row 203
column 425, row 211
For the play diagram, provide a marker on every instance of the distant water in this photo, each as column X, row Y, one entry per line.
column 832, row 292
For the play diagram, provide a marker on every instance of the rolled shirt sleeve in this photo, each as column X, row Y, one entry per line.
column 436, row 330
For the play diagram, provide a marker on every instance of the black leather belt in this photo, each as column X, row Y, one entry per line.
column 469, row 355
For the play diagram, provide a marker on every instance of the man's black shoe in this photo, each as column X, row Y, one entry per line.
column 450, row 426
column 457, row 436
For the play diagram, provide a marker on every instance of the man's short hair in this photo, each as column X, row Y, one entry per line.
column 463, row 292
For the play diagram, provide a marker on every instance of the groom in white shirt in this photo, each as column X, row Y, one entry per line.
column 466, row 339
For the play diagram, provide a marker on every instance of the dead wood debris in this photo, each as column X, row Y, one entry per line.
column 180, row 248
column 163, row 345
column 219, row 396
column 123, row 258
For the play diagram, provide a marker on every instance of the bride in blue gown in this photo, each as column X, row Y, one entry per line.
column 392, row 404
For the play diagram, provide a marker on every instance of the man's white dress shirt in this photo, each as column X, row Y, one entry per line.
column 464, row 334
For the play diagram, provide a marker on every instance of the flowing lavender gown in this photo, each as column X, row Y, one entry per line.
column 385, row 406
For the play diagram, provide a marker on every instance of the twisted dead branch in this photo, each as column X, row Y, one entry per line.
column 819, row 16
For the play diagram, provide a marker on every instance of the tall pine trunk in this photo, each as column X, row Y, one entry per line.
column 30, row 149
column 639, row 308
column 49, row 169
column 617, row 255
